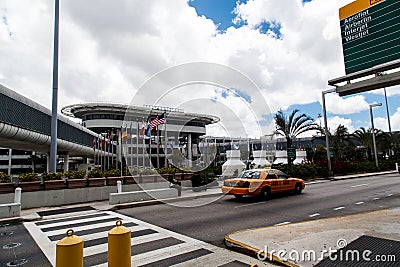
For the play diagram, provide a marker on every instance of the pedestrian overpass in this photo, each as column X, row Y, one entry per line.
column 26, row 125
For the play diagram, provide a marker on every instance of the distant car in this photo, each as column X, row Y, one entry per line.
column 263, row 183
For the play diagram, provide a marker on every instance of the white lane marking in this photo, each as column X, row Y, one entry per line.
column 376, row 198
column 359, row 203
column 282, row 223
column 390, row 195
column 250, row 204
column 338, row 208
column 359, row 185
column 314, row 215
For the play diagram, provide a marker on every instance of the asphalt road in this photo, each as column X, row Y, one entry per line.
column 211, row 222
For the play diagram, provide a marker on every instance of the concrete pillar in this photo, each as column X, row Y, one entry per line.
column 119, row 187
column 17, row 195
column 9, row 161
column 66, row 162
column 190, row 149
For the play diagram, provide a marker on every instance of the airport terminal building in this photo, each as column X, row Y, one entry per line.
column 122, row 125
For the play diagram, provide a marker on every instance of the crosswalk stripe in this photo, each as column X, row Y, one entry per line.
column 163, row 253
column 70, row 218
column 74, row 225
column 91, row 233
column 81, row 228
column 151, row 245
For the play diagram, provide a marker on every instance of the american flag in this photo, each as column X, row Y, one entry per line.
column 160, row 119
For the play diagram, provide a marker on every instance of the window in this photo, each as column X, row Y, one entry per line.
column 271, row 175
column 281, row 175
column 250, row 175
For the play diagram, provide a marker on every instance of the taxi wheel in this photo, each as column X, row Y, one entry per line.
column 265, row 193
column 238, row 196
column 298, row 188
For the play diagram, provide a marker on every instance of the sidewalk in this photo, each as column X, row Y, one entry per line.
column 367, row 235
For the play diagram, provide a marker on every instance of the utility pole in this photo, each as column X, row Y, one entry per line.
column 53, row 144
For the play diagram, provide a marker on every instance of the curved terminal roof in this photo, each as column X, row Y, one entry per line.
column 79, row 110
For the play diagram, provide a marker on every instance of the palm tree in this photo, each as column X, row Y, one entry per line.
column 390, row 142
column 292, row 126
column 364, row 136
column 339, row 141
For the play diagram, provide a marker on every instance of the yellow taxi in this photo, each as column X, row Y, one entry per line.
column 263, row 183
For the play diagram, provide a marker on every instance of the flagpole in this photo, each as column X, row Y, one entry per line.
column 158, row 148
column 106, row 162
column 137, row 146
column 120, row 148
column 150, row 163
column 94, row 150
column 101, row 152
column 112, row 148
column 144, row 146
column 108, row 150
column 98, row 150
column 166, row 141
column 131, row 146
column 125, row 149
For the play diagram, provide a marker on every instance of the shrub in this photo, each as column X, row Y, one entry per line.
column 148, row 171
column 303, row 171
column 112, row 173
column 81, row 174
column 168, row 170
column 51, row 176
column 28, row 177
column 5, row 178
column 95, row 174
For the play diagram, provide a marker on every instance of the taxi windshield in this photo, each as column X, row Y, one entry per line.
column 250, row 175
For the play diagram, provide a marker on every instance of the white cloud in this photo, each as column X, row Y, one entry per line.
column 338, row 105
column 109, row 48
column 382, row 123
column 334, row 122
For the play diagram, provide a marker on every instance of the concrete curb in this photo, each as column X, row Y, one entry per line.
column 361, row 175
column 160, row 201
column 249, row 250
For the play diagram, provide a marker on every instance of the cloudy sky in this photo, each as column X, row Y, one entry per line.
column 288, row 49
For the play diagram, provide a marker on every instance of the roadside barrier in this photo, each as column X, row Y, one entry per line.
column 69, row 251
column 119, row 246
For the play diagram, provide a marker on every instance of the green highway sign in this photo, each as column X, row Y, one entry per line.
column 370, row 33
column 291, row 153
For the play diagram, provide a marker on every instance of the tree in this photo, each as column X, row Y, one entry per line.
column 364, row 136
column 390, row 142
column 340, row 142
column 292, row 126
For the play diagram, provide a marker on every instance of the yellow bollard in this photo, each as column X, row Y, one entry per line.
column 119, row 246
column 69, row 251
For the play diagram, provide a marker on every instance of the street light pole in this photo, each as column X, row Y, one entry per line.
column 328, row 152
column 387, row 111
column 53, row 144
column 373, row 131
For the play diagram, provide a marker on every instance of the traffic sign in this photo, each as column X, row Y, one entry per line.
column 370, row 33
column 291, row 153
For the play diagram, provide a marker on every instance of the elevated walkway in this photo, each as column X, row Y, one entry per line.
column 26, row 125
